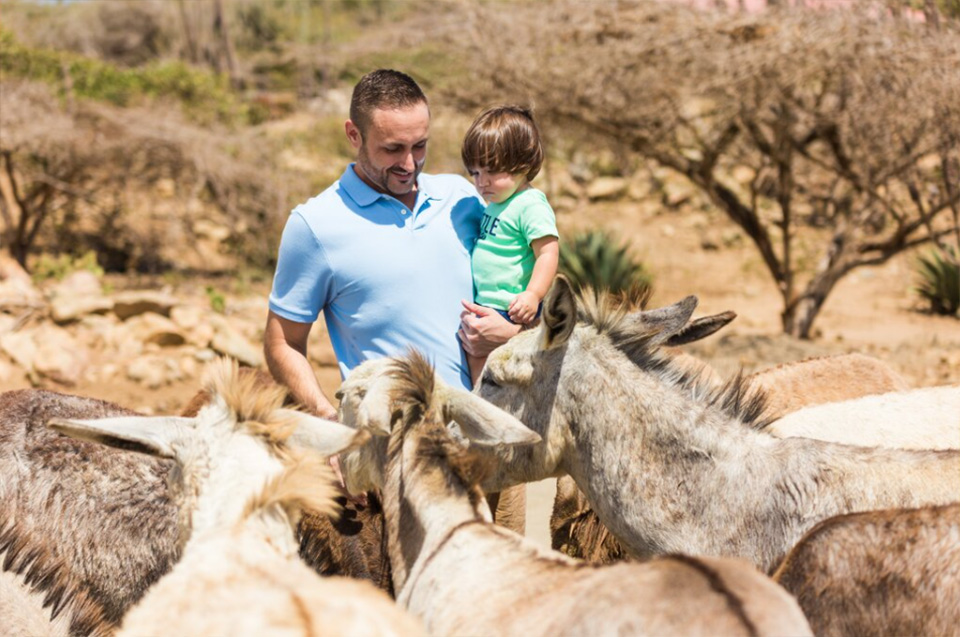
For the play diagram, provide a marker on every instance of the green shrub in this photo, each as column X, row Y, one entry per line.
column 59, row 266
column 218, row 302
column 940, row 281
column 594, row 259
column 204, row 95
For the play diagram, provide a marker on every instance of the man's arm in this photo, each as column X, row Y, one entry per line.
column 285, row 349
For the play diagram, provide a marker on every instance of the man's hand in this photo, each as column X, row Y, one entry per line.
column 482, row 330
column 523, row 308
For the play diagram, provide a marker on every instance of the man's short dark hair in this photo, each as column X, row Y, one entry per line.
column 504, row 139
column 383, row 88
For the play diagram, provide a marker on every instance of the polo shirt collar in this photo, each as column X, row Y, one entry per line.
column 364, row 195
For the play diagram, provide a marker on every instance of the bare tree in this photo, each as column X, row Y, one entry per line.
column 846, row 126
column 69, row 178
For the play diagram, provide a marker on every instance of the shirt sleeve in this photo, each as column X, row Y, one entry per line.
column 537, row 220
column 303, row 283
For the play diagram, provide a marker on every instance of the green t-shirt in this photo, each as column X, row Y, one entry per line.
column 502, row 257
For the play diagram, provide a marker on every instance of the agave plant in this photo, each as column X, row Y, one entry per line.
column 594, row 259
column 940, row 281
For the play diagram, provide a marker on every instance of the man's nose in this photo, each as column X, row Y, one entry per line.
column 408, row 163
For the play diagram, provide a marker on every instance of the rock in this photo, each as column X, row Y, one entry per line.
column 639, row 188
column 676, row 193
column 79, row 283
column 47, row 351
column 195, row 324
column 16, row 287
column 21, row 349
column 605, row 188
column 154, row 371
column 153, row 329
column 67, row 309
column 229, row 342
column 564, row 185
column 205, row 355
column 7, row 372
column 210, row 230
column 133, row 303
column 189, row 366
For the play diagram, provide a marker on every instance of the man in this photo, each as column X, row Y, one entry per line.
column 384, row 252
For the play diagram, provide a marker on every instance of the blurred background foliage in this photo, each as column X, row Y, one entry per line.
column 176, row 135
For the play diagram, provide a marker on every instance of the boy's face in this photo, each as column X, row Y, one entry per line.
column 497, row 187
column 393, row 149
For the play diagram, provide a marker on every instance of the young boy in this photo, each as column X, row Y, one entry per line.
column 516, row 255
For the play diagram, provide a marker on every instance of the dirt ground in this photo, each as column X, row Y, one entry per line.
column 872, row 311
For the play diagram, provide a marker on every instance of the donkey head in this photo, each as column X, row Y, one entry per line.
column 381, row 396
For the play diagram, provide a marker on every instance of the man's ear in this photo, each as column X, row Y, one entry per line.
column 353, row 134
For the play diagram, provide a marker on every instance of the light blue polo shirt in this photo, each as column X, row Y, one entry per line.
column 386, row 278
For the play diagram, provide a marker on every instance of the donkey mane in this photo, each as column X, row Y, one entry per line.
column 738, row 398
column 253, row 404
column 306, row 484
column 44, row 573
column 413, row 392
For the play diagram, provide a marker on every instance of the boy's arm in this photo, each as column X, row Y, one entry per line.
column 547, row 251
column 523, row 308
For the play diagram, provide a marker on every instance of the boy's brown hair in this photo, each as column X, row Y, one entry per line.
column 383, row 88
column 504, row 139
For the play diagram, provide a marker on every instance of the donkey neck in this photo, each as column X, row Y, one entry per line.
column 424, row 504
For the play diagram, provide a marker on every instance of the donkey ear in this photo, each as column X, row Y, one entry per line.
column 483, row 423
column 144, row 434
column 559, row 313
column 701, row 328
column 326, row 437
column 666, row 321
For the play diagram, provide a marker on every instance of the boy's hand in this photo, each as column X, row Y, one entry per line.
column 523, row 307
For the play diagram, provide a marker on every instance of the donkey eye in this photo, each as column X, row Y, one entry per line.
column 487, row 380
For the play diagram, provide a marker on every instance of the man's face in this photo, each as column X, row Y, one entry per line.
column 391, row 151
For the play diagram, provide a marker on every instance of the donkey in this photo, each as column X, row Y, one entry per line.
column 925, row 418
column 464, row 575
column 671, row 466
column 826, row 379
column 39, row 596
column 109, row 516
column 893, row 572
column 241, row 486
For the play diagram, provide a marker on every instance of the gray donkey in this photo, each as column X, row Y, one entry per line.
column 669, row 463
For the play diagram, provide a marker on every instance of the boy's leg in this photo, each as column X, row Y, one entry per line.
column 476, row 367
